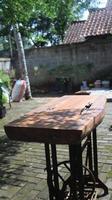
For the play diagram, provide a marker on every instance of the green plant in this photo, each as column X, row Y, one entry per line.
column 4, row 78
column 4, row 99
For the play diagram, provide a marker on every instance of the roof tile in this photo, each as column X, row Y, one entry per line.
column 98, row 23
column 74, row 32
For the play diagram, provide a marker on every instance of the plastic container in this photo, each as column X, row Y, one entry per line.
column 105, row 84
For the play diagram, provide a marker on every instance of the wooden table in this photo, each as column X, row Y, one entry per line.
column 70, row 120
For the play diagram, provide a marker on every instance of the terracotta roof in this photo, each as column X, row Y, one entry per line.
column 74, row 31
column 99, row 22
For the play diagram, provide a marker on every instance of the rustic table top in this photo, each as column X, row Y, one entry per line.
column 64, row 120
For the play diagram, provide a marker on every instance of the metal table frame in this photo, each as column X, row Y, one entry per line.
column 77, row 178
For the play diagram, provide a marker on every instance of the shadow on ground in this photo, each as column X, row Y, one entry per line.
column 8, row 149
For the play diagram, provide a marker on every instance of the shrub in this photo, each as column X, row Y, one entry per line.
column 5, row 79
column 4, row 87
column 4, row 99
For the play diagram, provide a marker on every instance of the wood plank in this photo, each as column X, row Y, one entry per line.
column 59, row 121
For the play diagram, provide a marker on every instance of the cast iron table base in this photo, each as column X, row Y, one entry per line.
column 83, row 177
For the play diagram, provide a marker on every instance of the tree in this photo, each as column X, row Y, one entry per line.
column 21, row 56
column 45, row 19
column 14, row 13
column 67, row 11
column 49, row 25
column 45, row 22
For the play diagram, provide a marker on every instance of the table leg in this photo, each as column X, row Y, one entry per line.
column 77, row 184
column 49, row 171
column 52, row 172
column 95, row 154
column 99, row 184
column 55, row 170
column 89, row 153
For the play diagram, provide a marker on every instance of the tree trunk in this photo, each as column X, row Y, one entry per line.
column 21, row 57
column 10, row 45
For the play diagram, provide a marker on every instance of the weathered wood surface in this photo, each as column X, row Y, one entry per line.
column 60, row 121
column 82, row 93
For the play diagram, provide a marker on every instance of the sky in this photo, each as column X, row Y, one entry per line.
column 102, row 3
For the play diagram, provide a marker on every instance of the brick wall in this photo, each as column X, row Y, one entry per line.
column 83, row 61
column 89, row 60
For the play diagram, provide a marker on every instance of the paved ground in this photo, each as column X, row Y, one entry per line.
column 22, row 175
column 102, row 91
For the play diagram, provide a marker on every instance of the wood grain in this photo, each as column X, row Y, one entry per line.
column 59, row 121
